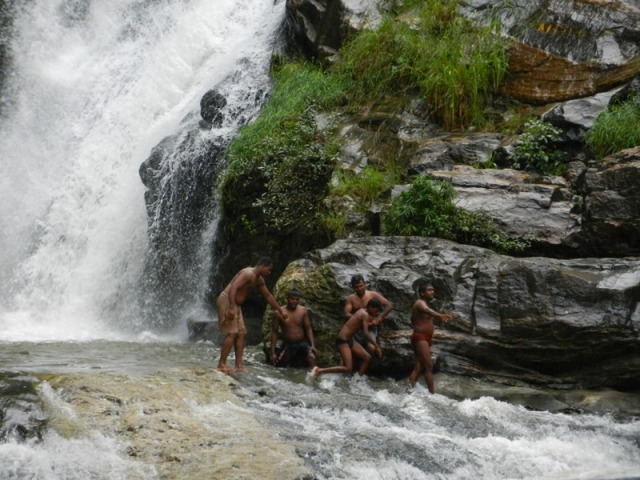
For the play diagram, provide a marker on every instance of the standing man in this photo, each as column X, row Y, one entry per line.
column 298, row 335
column 230, row 320
column 347, row 347
column 422, row 319
column 358, row 300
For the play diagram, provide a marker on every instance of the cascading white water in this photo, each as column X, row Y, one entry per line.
column 94, row 86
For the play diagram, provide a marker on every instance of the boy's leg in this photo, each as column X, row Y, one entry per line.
column 423, row 355
column 229, row 329
column 347, row 360
column 227, row 343
column 413, row 376
column 360, row 352
column 311, row 359
column 238, row 346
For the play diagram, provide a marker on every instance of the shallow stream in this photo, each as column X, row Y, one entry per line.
column 335, row 427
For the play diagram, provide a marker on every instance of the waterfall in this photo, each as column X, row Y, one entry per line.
column 92, row 88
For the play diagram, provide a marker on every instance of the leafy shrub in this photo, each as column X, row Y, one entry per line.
column 281, row 159
column 297, row 89
column 477, row 228
column 615, row 129
column 427, row 209
column 537, row 148
column 296, row 180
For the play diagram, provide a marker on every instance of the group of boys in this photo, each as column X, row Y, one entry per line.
column 364, row 312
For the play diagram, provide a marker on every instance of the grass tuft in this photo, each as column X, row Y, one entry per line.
column 615, row 129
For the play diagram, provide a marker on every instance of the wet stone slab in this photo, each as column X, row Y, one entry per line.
column 185, row 423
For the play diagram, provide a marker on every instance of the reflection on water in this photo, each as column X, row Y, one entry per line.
column 340, row 426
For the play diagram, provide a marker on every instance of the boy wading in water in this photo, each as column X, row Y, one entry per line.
column 422, row 319
column 230, row 320
column 360, row 320
column 359, row 299
column 298, row 335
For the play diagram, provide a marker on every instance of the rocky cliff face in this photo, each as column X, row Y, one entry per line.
column 544, row 322
column 566, row 49
column 560, row 50
column 570, row 320
column 538, row 321
column 564, row 217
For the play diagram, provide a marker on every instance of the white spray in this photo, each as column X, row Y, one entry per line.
column 94, row 86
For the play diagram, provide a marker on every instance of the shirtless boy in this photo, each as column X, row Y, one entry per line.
column 297, row 334
column 422, row 319
column 360, row 320
column 230, row 320
column 357, row 301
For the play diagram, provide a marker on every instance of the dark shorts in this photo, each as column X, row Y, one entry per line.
column 342, row 341
column 293, row 353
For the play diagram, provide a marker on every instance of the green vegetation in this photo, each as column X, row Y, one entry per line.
column 427, row 209
column 281, row 157
column 452, row 64
column 537, row 148
column 615, row 129
column 299, row 89
column 335, row 223
column 279, row 166
column 365, row 186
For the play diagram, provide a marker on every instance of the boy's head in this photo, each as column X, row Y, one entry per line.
column 374, row 304
column 293, row 297
column 265, row 265
column 293, row 293
column 426, row 290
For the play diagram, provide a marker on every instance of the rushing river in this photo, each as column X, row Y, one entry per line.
column 340, row 427
column 88, row 389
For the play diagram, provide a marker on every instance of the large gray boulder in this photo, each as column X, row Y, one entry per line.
column 565, row 49
column 612, row 201
column 536, row 321
column 576, row 117
column 523, row 204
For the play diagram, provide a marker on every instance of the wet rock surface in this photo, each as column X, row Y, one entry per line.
column 185, row 423
column 520, row 321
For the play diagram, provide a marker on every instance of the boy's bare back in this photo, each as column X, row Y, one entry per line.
column 357, row 321
column 242, row 283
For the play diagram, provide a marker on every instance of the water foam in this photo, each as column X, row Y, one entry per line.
column 94, row 87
